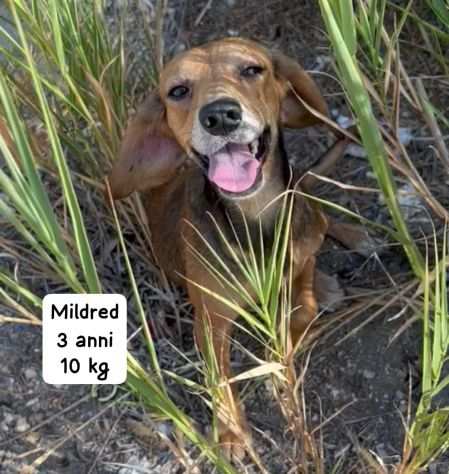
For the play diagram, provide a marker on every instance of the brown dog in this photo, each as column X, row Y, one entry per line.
column 209, row 141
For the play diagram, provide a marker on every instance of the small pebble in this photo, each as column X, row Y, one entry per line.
column 33, row 438
column 179, row 48
column 22, row 425
column 32, row 402
column 335, row 393
column 8, row 418
column 164, row 428
column 30, row 373
column 399, row 395
column 368, row 374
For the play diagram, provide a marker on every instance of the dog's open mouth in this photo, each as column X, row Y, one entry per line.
column 236, row 168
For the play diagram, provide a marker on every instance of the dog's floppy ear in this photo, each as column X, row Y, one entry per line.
column 149, row 154
column 294, row 81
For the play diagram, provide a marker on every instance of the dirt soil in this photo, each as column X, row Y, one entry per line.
column 367, row 375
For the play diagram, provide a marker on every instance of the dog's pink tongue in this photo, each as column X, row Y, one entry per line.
column 233, row 168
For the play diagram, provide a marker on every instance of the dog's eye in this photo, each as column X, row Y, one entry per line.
column 252, row 71
column 178, row 92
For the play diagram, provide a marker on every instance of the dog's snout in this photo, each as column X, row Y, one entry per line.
column 221, row 117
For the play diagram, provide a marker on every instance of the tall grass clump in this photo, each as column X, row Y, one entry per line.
column 81, row 68
column 428, row 436
column 427, row 429
column 262, row 298
column 342, row 36
column 360, row 30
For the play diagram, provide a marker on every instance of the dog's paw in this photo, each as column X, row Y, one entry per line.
column 354, row 237
column 328, row 291
column 232, row 446
column 364, row 244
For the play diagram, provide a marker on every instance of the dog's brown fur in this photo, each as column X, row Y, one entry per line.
column 157, row 159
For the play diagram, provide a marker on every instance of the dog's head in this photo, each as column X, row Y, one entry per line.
column 221, row 105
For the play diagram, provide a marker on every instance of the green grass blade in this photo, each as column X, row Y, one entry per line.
column 147, row 333
column 81, row 240
column 369, row 131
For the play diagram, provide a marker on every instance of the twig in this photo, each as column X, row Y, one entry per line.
column 108, row 437
column 429, row 117
column 41, row 459
column 200, row 17
column 159, row 34
column 83, row 399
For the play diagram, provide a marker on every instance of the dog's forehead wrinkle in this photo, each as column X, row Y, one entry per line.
column 230, row 50
column 185, row 70
column 216, row 58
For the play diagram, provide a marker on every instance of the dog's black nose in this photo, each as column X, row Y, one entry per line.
column 221, row 117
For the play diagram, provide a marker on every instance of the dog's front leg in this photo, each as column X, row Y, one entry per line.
column 305, row 307
column 354, row 237
column 213, row 326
